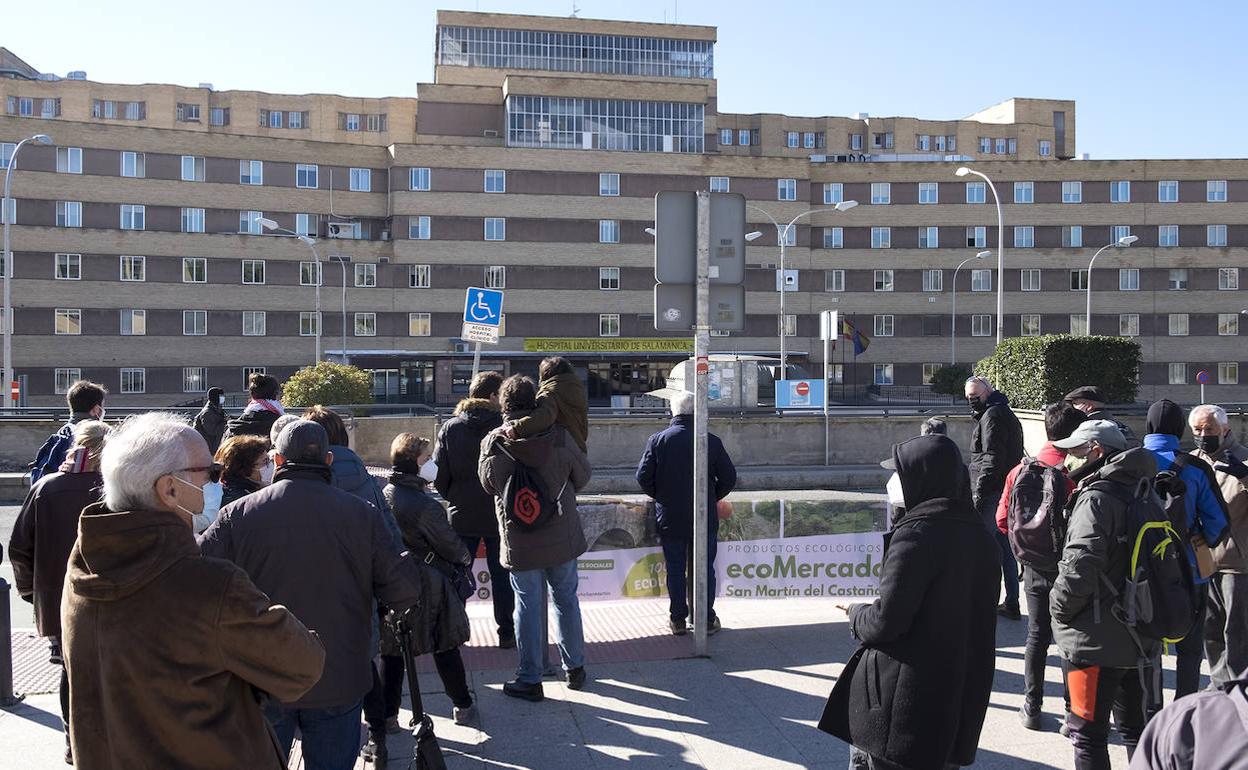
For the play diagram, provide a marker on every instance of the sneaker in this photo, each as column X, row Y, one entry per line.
column 1064, row 729
column 713, row 627
column 506, row 640
column 392, row 726
column 678, row 627
column 530, row 692
column 1010, row 611
column 463, row 715
column 375, row 750
column 576, row 678
column 69, row 753
column 1030, row 717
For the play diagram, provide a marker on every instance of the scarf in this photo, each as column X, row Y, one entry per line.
column 264, row 405
column 80, row 460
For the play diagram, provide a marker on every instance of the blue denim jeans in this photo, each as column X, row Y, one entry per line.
column 530, row 635
column 330, row 736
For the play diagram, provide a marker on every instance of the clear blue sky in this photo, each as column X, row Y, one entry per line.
column 1151, row 79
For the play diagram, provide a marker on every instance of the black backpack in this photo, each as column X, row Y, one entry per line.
column 525, row 500
column 1035, row 520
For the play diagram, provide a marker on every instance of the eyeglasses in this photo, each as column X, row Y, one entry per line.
column 213, row 471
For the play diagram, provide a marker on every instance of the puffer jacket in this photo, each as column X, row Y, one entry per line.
column 1231, row 555
column 564, row 470
column 1084, row 627
column 996, row 447
column 457, row 456
column 561, row 399
column 350, row 474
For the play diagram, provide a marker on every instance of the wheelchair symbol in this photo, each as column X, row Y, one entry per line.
column 481, row 312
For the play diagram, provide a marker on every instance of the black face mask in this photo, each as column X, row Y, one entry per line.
column 1209, row 444
column 977, row 404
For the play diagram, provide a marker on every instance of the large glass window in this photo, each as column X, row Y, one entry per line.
column 1072, row 192
column 1167, row 235
column 833, row 193
column 604, row 124
column 133, row 323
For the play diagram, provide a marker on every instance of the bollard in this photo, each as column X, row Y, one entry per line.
column 6, row 649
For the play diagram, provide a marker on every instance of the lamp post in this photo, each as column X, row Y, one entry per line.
column 1121, row 243
column 7, row 212
column 269, row 224
column 782, row 233
column 953, row 313
column 963, row 171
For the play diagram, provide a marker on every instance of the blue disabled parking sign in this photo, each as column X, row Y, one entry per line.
column 483, row 312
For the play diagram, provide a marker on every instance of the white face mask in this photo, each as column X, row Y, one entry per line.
column 221, row 400
column 211, row 492
column 266, row 474
column 429, row 471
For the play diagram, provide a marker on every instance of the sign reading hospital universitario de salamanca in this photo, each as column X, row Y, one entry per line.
column 608, row 345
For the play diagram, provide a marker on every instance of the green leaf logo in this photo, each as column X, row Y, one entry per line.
column 648, row 577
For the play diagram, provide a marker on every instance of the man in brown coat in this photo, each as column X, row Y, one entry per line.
column 168, row 651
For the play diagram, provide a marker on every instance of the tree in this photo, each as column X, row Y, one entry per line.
column 950, row 379
column 328, row 383
column 1034, row 371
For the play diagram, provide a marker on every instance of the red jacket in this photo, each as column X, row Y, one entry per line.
column 1049, row 455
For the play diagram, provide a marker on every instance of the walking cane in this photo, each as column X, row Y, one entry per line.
column 427, row 754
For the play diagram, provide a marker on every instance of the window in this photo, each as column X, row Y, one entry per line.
column 976, row 192
column 309, row 323
column 133, row 323
column 496, row 277
column 68, row 267
column 133, row 217
column 855, row 141
column 884, row 325
column 1215, row 235
column 133, row 164
column 743, row 137
column 133, row 268
column 883, row 280
column 985, row 145
column 1029, row 279
column 1178, row 279
column 1167, row 235
column 1000, row 146
column 419, row 324
column 608, row 231
column 1072, row 192
column 349, row 121
column 1029, row 325
column 366, row 324
column 923, row 142
column 792, row 139
column 6, row 152
column 1072, row 236
column 1168, row 191
column 69, row 160
column 192, row 168
column 929, row 192
column 495, row 229
column 609, row 278
column 1024, row 237
column 192, row 220
column 194, row 323
column 418, row 179
column 68, row 213
column 9, row 214
column 251, row 172
column 249, row 222
column 1129, row 325
column 981, row 325
column 418, row 228
column 296, row 119
column 250, row 370
column 881, row 237
column 1046, row 148
column 933, row 280
column 1177, row 374
column 1129, row 279
column 834, row 280
column 929, row 237
column 881, row 193
column 307, row 176
column 833, row 238
column 976, row 237
column 1079, row 279
column 786, row 189
column 361, row 180
column 929, row 370
column 1024, row 192
column 495, row 180
column 1228, row 278
column 194, row 270
column 1118, row 232
column 981, row 280
column 789, row 235
column 609, row 184
column 365, row 275
column 418, row 276
column 788, row 326
column 833, row 193
column 1228, row 324
column 194, row 379
column 1078, row 325
column 809, row 140
column 719, row 184
column 725, row 136
column 253, row 271
column 133, row 380
column 1179, row 324
column 308, row 224
column 253, row 323
column 310, row 274
column 931, row 326
column 883, row 374
column 219, row 116
column 609, row 325
column 1215, row 191
column 64, row 379
column 271, row 118
column 882, row 141
column 1228, row 373
column 1119, row 192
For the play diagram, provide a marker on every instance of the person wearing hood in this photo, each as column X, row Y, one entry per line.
column 1206, row 525
column 44, row 534
column 665, row 473
column 546, row 554
column 211, row 420
column 86, row 402
column 1090, row 400
column 1100, row 659
column 327, row 555
column 471, row 507
column 996, row 447
column 916, row 692
column 1226, row 622
column 167, row 650
column 560, row 399
column 260, row 412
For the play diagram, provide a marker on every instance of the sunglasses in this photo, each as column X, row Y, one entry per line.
column 213, row 471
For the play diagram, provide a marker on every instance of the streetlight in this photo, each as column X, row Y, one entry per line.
column 343, row 260
column 269, row 224
column 782, row 236
column 5, row 213
column 963, row 171
column 1121, row 243
column 953, row 314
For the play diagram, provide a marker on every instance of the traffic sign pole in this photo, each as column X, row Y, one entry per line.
column 701, row 487
column 476, row 360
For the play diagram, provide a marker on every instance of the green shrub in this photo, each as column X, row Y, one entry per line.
column 950, row 379
column 328, row 383
column 1034, row 371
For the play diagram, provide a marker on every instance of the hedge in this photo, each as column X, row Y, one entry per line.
column 328, row 383
column 1034, row 371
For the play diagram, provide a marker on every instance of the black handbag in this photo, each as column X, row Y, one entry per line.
column 460, row 575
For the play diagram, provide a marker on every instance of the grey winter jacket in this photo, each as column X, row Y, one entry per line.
column 1204, row 731
column 1084, row 628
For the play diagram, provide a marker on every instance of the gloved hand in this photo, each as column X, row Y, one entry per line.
column 1237, row 469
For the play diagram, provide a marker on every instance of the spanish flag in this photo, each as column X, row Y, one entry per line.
column 850, row 332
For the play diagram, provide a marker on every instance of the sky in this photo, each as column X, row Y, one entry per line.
column 1150, row 79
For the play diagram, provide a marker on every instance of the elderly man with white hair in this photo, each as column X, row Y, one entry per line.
column 1226, row 618
column 166, row 649
column 666, row 474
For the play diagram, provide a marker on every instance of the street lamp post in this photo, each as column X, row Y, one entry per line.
column 1122, row 243
column 953, row 313
column 8, row 211
column 782, row 235
column 963, row 171
column 343, row 260
column 269, row 224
